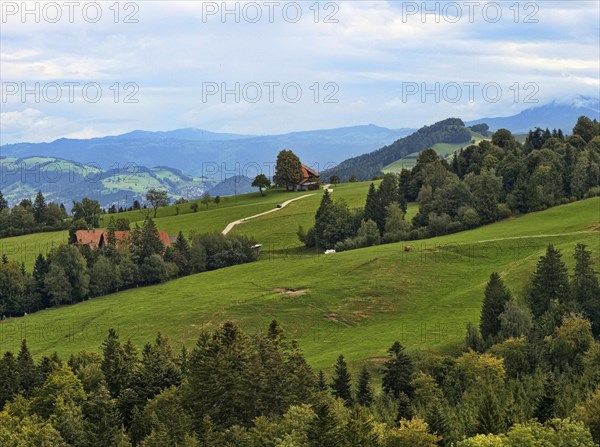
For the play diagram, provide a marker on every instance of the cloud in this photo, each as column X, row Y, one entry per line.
column 374, row 47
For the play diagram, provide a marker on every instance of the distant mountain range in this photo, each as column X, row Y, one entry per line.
column 192, row 161
column 555, row 115
column 202, row 153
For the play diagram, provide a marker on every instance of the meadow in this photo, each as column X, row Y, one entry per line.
column 355, row 303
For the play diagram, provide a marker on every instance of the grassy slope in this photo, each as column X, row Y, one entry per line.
column 215, row 218
column 356, row 303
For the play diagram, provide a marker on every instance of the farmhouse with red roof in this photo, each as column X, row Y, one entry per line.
column 99, row 238
column 310, row 180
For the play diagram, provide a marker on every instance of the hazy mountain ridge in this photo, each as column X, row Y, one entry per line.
column 556, row 115
column 63, row 181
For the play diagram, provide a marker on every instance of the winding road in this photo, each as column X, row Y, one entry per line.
column 230, row 226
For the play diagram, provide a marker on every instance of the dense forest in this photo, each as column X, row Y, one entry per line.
column 479, row 185
column 72, row 272
column 364, row 167
column 528, row 375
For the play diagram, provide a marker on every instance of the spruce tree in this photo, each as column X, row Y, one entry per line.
column 101, row 413
column 146, row 242
column 371, row 206
column 550, row 282
column 322, row 381
column 495, row 298
column 275, row 332
column 29, row 377
column 398, row 372
column 323, row 430
column 364, row 391
column 490, row 414
column 110, row 231
column 182, row 254
column 9, row 378
column 113, row 363
column 585, row 287
column 360, row 430
column 40, row 208
column 341, row 381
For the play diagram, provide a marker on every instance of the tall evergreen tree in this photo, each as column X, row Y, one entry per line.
column 398, row 372
column 103, row 418
column 550, row 282
column 322, row 382
column 323, row 430
column 146, row 242
column 159, row 369
column 29, row 377
column 113, row 363
column 9, row 378
column 364, row 391
column 495, row 298
column 585, row 286
column 371, row 205
column 341, row 381
column 40, row 208
column 182, row 254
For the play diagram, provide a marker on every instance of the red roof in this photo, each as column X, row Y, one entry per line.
column 99, row 238
column 93, row 238
column 165, row 239
column 308, row 172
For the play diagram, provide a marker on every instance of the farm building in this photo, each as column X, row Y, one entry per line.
column 310, row 180
column 99, row 238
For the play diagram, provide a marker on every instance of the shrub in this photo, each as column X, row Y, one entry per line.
column 504, row 211
column 438, row 224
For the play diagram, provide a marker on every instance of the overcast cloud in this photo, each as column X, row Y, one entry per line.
column 355, row 62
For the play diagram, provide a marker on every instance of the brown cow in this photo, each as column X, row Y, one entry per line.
column 408, row 248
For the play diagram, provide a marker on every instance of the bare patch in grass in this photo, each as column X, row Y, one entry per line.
column 290, row 292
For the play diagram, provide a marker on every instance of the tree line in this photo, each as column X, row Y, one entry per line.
column 72, row 273
column 527, row 376
column 31, row 217
column 479, row 185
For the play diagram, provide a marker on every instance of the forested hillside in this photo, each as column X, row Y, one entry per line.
column 364, row 167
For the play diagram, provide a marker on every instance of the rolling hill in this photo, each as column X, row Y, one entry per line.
column 356, row 303
column 63, row 181
column 450, row 131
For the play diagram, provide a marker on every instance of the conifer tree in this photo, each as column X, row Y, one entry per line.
column 495, row 298
column 585, row 286
column 29, row 377
column 101, row 413
column 323, row 430
column 341, row 381
column 113, row 363
column 398, row 372
column 550, row 282
column 371, row 206
column 40, row 208
column 322, row 381
column 364, row 392
column 9, row 378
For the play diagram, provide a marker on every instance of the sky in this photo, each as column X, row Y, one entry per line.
column 85, row 69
